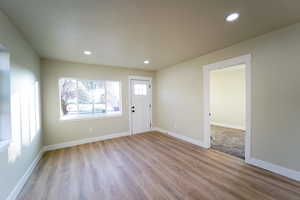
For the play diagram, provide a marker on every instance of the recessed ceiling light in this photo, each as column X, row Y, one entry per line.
column 146, row 61
column 232, row 17
column 87, row 52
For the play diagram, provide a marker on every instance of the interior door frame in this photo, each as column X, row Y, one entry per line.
column 139, row 78
column 246, row 60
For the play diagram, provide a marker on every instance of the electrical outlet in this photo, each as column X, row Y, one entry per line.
column 175, row 125
column 91, row 130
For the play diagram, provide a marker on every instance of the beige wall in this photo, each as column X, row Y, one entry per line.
column 227, row 96
column 26, row 141
column 275, row 95
column 57, row 131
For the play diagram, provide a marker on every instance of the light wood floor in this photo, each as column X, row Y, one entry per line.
column 151, row 166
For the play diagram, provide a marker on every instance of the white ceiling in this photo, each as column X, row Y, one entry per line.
column 127, row 32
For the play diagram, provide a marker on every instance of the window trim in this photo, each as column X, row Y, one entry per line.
column 89, row 116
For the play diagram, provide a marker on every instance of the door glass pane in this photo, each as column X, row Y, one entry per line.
column 140, row 89
column 113, row 96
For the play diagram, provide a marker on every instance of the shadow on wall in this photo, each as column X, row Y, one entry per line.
column 25, row 115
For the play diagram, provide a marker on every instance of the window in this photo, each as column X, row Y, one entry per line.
column 5, row 93
column 89, row 98
column 140, row 89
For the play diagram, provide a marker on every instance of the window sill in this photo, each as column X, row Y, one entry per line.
column 90, row 117
column 4, row 145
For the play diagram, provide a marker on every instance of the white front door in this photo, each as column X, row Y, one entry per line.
column 140, row 106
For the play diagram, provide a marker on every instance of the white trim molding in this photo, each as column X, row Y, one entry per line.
column 292, row 174
column 145, row 78
column 228, row 126
column 252, row 161
column 246, row 60
column 181, row 137
column 18, row 188
column 84, row 141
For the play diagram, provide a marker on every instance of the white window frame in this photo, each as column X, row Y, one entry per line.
column 5, row 131
column 92, row 115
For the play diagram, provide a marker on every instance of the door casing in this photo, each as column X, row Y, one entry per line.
column 246, row 60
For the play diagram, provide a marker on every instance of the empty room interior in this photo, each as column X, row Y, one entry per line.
column 135, row 99
column 227, row 110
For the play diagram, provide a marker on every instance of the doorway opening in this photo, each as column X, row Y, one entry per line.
column 227, row 106
column 227, row 110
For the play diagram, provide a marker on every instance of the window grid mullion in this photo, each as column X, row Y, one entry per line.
column 105, row 93
column 93, row 90
column 77, row 94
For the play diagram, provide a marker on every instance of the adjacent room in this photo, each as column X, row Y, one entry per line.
column 227, row 110
column 134, row 100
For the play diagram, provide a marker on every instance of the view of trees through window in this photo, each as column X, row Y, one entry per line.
column 79, row 97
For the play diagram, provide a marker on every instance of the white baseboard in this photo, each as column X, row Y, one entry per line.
column 17, row 189
column 292, row 174
column 258, row 163
column 84, row 141
column 228, row 126
column 181, row 137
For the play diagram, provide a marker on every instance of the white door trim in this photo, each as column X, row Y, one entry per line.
column 246, row 59
column 143, row 78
